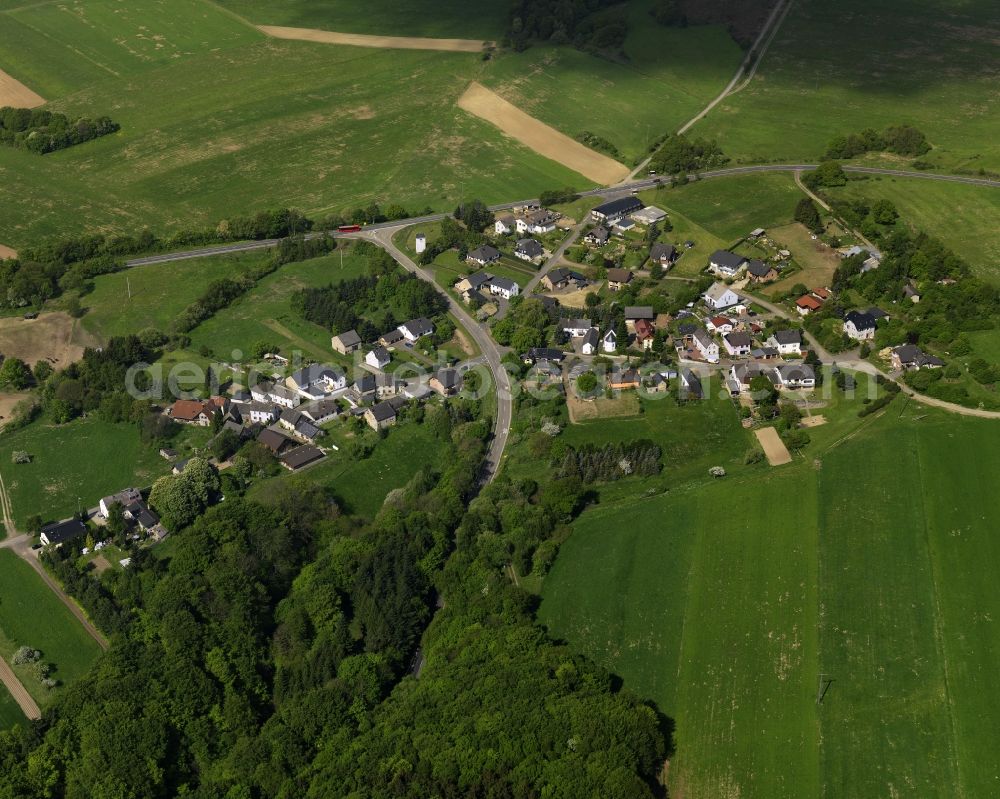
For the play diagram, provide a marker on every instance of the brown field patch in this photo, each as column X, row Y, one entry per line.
column 581, row 410
column 774, row 448
column 365, row 40
column 544, row 140
column 54, row 337
column 818, row 261
column 16, row 94
column 7, row 252
column 813, row 421
column 8, row 401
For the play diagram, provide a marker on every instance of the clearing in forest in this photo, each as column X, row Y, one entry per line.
column 366, row 40
column 544, row 140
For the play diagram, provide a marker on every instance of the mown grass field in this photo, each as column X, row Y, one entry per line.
column 10, row 713
column 321, row 127
column 31, row 615
column 154, row 295
column 869, row 561
column 837, row 68
column 86, row 458
column 965, row 218
column 669, row 75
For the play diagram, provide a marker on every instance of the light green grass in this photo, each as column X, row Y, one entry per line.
column 837, row 68
column 449, row 19
column 154, row 295
column 963, row 217
column 669, row 75
column 31, row 615
column 86, row 458
column 361, row 486
column 10, row 713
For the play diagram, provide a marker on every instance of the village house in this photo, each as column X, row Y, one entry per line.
column 911, row 292
column 737, row 344
column 649, row 215
column 719, row 296
column 504, row 224
column 316, row 380
column 706, row 345
column 486, row 254
column 528, row 250
column 446, row 382
column 644, row 334
column 793, row 376
column 625, row 380
column 392, row 337
column 346, row 342
column 690, row 385
column 274, row 394
column 720, row 325
column 262, row 412
column 537, row 222
column 416, row 328
column 560, row 278
column 912, row 358
column 614, row 210
column 598, row 236
column 299, row 425
column 473, row 282
column 504, row 287
column 124, row 498
column 196, row 412
column 57, row 533
column 300, row 457
column 364, row 387
column 786, row 342
column 663, row 254
column 617, row 278
column 726, row 264
column 380, row 415
column 859, row 326
column 741, row 374
column 321, row 411
column 806, row 304
column 547, row 354
column 609, row 341
column 590, row 342
column 275, row 440
column 378, row 357
column 575, row 328
column 760, row 272
column 633, row 313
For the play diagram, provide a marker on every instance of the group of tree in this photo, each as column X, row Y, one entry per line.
column 827, row 174
column 592, row 463
column 474, row 215
column 524, row 326
column 898, row 139
column 586, row 24
column 807, row 214
column 678, row 155
column 599, row 143
column 40, row 131
column 454, row 235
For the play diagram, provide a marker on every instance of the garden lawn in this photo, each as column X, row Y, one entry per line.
column 31, row 615
column 155, row 295
column 86, row 459
column 965, row 218
column 837, row 68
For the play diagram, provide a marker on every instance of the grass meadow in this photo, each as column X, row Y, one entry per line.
column 837, row 68
column 10, row 713
column 31, row 615
column 869, row 561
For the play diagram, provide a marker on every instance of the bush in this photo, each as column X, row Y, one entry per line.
column 25, row 655
column 20, row 456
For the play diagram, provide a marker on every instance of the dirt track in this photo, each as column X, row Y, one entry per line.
column 544, row 140
column 364, row 40
column 774, row 448
column 16, row 94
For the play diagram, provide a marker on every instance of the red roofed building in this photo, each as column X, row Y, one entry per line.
column 197, row 412
column 807, row 304
column 644, row 334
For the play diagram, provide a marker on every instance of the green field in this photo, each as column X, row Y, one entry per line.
column 437, row 18
column 154, row 295
column 31, row 615
column 870, row 562
column 85, row 459
column 668, row 76
column 361, row 486
column 321, row 127
column 837, row 68
column 10, row 713
column 964, row 217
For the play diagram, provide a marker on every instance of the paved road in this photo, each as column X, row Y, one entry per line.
column 487, row 346
column 556, row 256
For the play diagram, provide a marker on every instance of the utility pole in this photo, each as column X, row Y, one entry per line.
column 128, row 286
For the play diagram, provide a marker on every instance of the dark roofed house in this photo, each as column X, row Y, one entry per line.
column 598, row 236
column 346, row 342
column 483, row 255
column 300, row 457
column 737, row 343
column 58, row 532
column 528, row 249
column 691, row 384
column 911, row 357
column 536, row 354
column 860, row 326
column 634, row 312
column 416, row 328
column 613, row 210
column 663, row 254
column 726, row 263
column 618, row 278
column 577, row 328
column 446, row 382
column 381, row 415
column 761, row 272
column 274, row 441
column 392, row 337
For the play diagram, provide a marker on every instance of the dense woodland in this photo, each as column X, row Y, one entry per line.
column 586, row 24
column 39, row 131
column 271, row 654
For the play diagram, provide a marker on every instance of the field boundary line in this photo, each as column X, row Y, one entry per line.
column 373, row 40
column 18, row 692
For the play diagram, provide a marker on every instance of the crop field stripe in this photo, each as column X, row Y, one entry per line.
column 368, row 40
column 543, row 139
column 16, row 94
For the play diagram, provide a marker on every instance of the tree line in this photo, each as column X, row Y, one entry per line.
column 40, row 131
column 898, row 139
column 585, row 24
column 602, row 464
column 678, row 155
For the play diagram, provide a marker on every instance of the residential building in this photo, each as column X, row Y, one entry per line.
column 197, row 412
column 726, row 264
column 622, row 381
column 644, row 334
column 124, row 498
column 859, row 326
column 792, row 376
column 743, row 373
column 663, row 254
column 912, row 358
column 446, row 382
column 720, row 324
column 346, row 342
column 392, row 337
column 577, row 328
column 737, row 344
column 274, row 394
column 760, row 272
column 365, row 385
column 635, row 312
column 57, row 533
column 613, row 210
column 504, row 224
column 528, row 250
column 378, row 357
column 609, row 341
column 300, row 457
column 316, row 380
column 275, row 440
column 617, row 278
column 262, row 412
column 560, row 278
column 720, row 296
column 486, row 254
column 598, row 236
column 550, row 354
column 806, row 304
column 706, row 345
column 911, row 292
column 380, row 415
column 537, row 222
column 786, row 342
column 416, row 328
column 474, row 282
column 690, row 385
column 590, row 342
column 504, row 287
column 321, row 411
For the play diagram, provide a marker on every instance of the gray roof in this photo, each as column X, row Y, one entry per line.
column 621, row 205
column 861, row 321
column 758, row 268
column 791, row 336
column 591, row 337
column 392, row 336
column 911, row 353
column 449, row 378
column 574, row 324
column 419, row 326
column 383, row 411
column 600, row 233
column 484, row 253
column 701, row 336
column 738, row 339
column 301, row 456
column 795, row 371
column 504, row 283
column 314, row 373
column 57, row 532
column 639, row 312
column 662, row 252
column 479, row 279
column 529, row 247
column 381, row 353
column 727, row 259
column 365, row 383
column 349, row 338
column 545, row 354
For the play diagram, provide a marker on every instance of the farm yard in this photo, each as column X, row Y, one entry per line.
column 871, row 577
